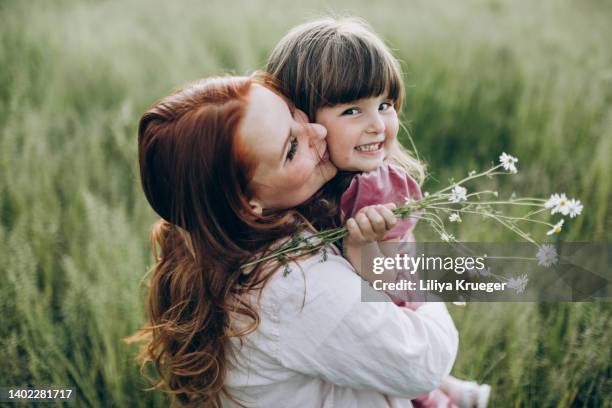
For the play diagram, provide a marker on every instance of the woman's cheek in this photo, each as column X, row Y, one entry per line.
column 303, row 170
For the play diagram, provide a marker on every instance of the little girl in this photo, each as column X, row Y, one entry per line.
column 343, row 76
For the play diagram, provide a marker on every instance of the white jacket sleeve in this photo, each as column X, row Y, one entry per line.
column 326, row 331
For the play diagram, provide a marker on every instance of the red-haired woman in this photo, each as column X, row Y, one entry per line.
column 224, row 162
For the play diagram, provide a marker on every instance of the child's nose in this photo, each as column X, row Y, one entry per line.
column 376, row 125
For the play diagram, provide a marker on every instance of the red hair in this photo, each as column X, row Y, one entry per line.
column 195, row 175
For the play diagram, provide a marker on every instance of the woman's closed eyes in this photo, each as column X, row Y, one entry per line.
column 293, row 145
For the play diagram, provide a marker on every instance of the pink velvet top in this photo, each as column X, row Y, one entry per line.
column 387, row 184
column 391, row 184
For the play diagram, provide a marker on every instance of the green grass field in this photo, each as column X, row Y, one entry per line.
column 530, row 78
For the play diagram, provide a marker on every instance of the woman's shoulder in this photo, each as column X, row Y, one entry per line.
column 324, row 275
column 329, row 260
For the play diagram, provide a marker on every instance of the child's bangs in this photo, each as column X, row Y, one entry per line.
column 358, row 70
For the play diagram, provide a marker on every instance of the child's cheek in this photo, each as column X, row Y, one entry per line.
column 391, row 135
column 392, row 128
column 340, row 148
column 340, row 155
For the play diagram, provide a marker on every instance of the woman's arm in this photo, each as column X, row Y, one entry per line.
column 376, row 346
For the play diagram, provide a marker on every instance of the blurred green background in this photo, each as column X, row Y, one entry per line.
column 532, row 78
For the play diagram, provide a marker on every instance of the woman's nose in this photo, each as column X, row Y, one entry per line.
column 317, row 133
column 300, row 116
column 376, row 124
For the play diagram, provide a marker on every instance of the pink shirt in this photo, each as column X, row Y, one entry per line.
column 387, row 184
column 391, row 184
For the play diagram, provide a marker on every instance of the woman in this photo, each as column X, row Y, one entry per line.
column 223, row 162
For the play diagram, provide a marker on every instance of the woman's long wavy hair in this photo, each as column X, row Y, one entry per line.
column 195, row 175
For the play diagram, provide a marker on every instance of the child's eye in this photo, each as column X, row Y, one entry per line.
column 293, row 145
column 350, row 111
column 384, row 106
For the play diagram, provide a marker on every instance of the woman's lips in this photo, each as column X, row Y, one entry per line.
column 325, row 157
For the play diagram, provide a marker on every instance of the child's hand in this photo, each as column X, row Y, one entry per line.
column 370, row 224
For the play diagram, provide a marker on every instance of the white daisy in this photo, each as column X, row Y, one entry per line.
column 426, row 194
column 556, row 228
column 558, row 203
column 508, row 162
column 519, row 283
column 574, row 208
column 447, row 237
column 454, row 217
column 547, row 255
column 553, row 201
column 458, row 194
column 563, row 206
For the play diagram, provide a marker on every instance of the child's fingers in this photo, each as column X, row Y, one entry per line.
column 390, row 206
column 379, row 225
column 365, row 226
column 388, row 216
column 354, row 231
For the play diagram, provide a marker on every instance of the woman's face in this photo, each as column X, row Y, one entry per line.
column 291, row 156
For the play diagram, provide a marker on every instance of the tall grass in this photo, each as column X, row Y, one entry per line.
column 531, row 78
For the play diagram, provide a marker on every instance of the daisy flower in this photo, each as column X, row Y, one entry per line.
column 508, row 162
column 519, row 283
column 454, row 217
column 553, row 201
column 558, row 203
column 574, row 208
column 556, row 228
column 447, row 237
column 458, row 194
column 547, row 255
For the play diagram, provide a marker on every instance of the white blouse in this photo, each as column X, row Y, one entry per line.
column 319, row 345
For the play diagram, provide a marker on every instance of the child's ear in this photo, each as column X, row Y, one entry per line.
column 256, row 207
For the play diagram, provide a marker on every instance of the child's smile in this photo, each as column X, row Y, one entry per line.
column 370, row 147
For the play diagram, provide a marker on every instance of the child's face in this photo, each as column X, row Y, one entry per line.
column 359, row 133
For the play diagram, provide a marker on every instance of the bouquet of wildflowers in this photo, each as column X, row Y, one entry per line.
column 450, row 204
